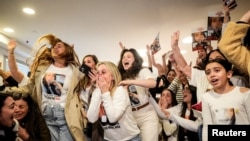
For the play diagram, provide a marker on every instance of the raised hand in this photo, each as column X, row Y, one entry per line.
column 12, row 45
column 175, row 39
column 121, row 46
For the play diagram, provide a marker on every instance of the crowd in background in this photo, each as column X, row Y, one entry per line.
column 63, row 99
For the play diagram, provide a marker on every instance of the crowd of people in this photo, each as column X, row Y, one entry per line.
column 64, row 99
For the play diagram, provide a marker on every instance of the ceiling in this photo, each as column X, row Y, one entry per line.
column 97, row 26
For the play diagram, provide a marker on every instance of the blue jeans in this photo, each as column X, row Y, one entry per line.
column 136, row 138
column 200, row 132
column 55, row 119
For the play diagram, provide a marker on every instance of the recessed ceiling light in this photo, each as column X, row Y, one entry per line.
column 187, row 40
column 29, row 11
column 9, row 30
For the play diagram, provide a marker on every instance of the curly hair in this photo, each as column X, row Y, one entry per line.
column 132, row 72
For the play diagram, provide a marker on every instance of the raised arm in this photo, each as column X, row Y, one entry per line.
column 150, row 65
column 15, row 73
column 121, row 46
column 178, row 57
column 231, row 42
column 166, row 66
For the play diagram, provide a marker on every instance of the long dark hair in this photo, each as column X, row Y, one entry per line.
column 191, row 135
column 29, row 121
column 3, row 97
column 136, row 66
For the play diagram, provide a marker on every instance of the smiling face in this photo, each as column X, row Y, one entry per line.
column 171, row 75
column 127, row 60
column 187, row 95
column 7, row 112
column 217, row 75
column 21, row 109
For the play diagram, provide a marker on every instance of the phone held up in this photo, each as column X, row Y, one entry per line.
column 85, row 69
column 230, row 3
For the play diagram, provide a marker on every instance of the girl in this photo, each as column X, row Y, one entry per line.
column 183, row 115
column 138, row 80
column 224, row 103
column 170, row 129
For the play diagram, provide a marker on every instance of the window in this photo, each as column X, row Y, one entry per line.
column 21, row 66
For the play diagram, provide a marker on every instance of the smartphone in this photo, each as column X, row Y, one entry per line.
column 230, row 3
column 85, row 69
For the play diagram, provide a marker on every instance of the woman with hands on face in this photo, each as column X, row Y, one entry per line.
column 110, row 105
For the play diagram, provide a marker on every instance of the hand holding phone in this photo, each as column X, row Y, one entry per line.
column 85, row 69
column 231, row 4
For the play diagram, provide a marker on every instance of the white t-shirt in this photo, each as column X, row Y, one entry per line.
column 55, row 84
column 142, row 92
column 117, row 118
column 199, row 80
column 229, row 108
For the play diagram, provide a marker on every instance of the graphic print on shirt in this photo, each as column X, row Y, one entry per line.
column 133, row 96
column 53, row 84
column 105, row 121
column 225, row 116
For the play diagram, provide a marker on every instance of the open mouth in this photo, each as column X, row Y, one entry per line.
column 214, row 81
column 126, row 64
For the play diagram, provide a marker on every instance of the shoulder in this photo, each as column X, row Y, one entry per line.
column 244, row 90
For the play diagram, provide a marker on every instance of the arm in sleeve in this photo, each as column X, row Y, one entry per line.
column 185, row 123
column 94, row 107
column 247, row 104
column 174, row 85
column 169, row 128
column 231, row 45
column 115, row 106
column 207, row 118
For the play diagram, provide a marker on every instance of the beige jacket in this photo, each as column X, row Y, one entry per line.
column 72, row 106
column 233, row 49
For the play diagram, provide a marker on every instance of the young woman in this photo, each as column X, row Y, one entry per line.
column 169, row 129
column 85, row 88
column 224, row 103
column 8, row 126
column 111, row 106
column 32, row 124
column 183, row 115
column 56, row 56
column 138, row 80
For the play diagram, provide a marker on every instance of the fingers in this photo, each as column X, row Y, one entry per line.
column 121, row 45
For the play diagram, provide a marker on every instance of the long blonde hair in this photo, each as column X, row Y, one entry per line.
column 115, row 73
column 43, row 54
